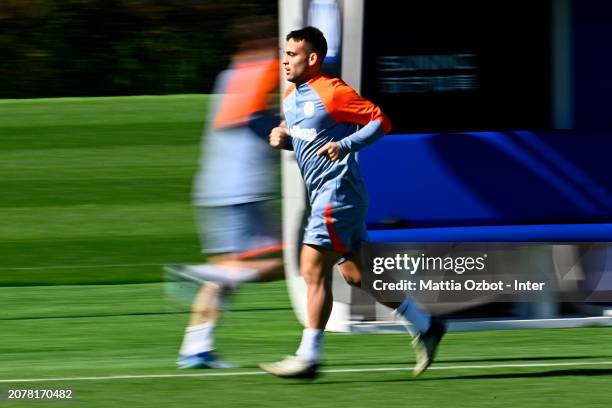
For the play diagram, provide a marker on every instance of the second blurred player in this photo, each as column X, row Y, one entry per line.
column 234, row 189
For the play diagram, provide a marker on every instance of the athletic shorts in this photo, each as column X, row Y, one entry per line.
column 237, row 228
column 340, row 229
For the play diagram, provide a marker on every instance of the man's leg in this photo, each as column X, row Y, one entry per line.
column 430, row 330
column 206, row 306
column 240, row 270
column 246, row 248
column 198, row 346
column 316, row 266
column 197, row 349
column 351, row 271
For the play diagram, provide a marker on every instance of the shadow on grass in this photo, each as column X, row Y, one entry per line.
column 470, row 360
column 532, row 358
column 577, row 372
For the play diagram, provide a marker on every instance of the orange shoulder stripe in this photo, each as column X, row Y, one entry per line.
column 247, row 91
column 289, row 90
column 344, row 104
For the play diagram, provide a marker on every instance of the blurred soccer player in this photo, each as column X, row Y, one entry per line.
column 322, row 115
column 233, row 190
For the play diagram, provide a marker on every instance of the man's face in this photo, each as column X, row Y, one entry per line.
column 298, row 62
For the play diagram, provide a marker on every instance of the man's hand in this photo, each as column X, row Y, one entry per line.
column 279, row 136
column 331, row 150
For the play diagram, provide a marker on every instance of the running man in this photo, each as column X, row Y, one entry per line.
column 233, row 190
column 322, row 114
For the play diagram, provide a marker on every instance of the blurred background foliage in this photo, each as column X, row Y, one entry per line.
column 52, row 48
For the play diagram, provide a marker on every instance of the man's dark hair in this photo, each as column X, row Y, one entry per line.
column 314, row 37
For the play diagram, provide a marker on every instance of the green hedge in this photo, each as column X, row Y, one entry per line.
column 55, row 48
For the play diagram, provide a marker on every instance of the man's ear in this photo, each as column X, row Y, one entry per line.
column 313, row 59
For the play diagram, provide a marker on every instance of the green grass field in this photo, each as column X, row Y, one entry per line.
column 95, row 196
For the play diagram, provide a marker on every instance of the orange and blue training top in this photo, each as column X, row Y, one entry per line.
column 236, row 160
column 326, row 109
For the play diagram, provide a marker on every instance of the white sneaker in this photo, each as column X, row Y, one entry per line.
column 426, row 345
column 291, row 367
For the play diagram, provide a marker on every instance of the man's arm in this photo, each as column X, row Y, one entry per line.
column 279, row 137
column 363, row 137
column 349, row 106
